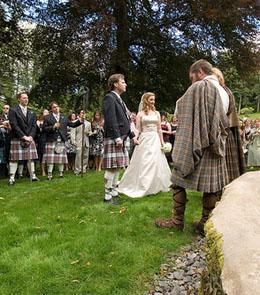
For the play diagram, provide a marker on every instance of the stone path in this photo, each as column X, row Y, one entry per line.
column 181, row 274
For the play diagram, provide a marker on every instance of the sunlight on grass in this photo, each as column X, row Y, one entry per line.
column 60, row 238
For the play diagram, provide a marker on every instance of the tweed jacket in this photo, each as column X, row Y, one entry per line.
column 76, row 135
column 199, row 148
column 52, row 133
column 21, row 125
column 117, row 123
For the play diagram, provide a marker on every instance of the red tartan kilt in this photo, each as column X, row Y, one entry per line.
column 51, row 157
column 18, row 153
column 113, row 156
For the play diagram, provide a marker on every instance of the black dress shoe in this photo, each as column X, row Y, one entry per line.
column 111, row 201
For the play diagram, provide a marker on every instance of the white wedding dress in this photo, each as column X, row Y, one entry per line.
column 148, row 172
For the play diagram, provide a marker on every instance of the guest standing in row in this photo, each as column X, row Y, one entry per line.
column 55, row 125
column 23, row 131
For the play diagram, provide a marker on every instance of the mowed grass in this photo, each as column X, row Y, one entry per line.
column 59, row 237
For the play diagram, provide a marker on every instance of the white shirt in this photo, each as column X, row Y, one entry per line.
column 222, row 92
column 24, row 110
column 56, row 116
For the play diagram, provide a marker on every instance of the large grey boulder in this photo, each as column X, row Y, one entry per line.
column 237, row 219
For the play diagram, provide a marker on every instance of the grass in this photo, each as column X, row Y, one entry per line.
column 60, row 238
column 251, row 116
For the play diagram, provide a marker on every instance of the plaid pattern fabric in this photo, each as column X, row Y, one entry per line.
column 199, row 147
column 18, row 153
column 50, row 157
column 114, row 157
column 234, row 154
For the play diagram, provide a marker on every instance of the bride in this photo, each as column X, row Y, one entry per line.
column 148, row 172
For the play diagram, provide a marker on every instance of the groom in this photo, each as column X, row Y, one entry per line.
column 116, row 130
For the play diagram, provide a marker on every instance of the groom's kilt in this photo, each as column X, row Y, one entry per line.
column 113, row 156
column 18, row 153
column 51, row 157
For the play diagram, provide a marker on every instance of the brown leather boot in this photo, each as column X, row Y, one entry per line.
column 208, row 202
column 179, row 202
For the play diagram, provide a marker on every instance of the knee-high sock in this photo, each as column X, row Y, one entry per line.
column 20, row 169
column 61, row 167
column 50, row 168
column 109, row 177
column 115, row 179
column 12, row 168
column 31, row 169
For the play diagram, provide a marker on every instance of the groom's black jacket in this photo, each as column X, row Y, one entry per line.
column 117, row 123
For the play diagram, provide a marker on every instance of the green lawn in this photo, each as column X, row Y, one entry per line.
column 59, row 237
column 251, row 116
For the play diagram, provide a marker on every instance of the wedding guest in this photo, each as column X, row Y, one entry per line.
column 6, row 138
column 55, row 125
column 174, row 125
column 148, row 172
column 69, row 146
column 166, row 132
column 41, row 140
column 254, row 147
column 80, row 139
column 97, row 139
column 23, row 130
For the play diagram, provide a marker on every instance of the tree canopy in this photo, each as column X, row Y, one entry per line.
column 80, row 43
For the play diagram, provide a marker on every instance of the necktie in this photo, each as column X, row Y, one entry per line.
column 24, row 111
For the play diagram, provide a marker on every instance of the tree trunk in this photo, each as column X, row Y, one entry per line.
column 120, row 63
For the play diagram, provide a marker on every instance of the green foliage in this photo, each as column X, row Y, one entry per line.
column 59, row 237
column 246, row 111
column 80, row 43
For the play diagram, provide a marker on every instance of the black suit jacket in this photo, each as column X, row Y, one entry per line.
column 117, row 123
column 51, row 133
column 21, row 125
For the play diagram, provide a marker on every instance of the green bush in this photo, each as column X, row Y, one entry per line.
column 246, row 111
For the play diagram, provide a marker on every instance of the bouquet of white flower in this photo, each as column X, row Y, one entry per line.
column 167, row 147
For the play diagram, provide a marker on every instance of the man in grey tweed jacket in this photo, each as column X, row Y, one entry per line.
column 199, row 148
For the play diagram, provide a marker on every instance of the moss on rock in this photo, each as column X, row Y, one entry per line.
column 211, row 283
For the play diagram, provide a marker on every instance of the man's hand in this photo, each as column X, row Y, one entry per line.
column 57, row 125
column 119, row 143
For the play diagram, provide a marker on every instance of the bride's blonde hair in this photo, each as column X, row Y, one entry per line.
column 145, row 103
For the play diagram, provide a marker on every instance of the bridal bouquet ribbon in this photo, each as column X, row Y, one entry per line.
column 167, row 147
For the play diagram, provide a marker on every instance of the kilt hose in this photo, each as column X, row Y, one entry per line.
column 113, row 156
column 17, row 152
column 50, row 157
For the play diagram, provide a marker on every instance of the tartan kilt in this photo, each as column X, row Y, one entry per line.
column 113, row 156
column 209, row 176
column 232, row 157
column 50, row 157
column 18, row 153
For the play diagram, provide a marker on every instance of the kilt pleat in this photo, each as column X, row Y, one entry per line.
column 232, row 157
column 18, row 153
column 209, row 176
column 50, row 157
column 114, row 157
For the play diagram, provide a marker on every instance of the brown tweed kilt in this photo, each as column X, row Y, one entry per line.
column 234, row 155
column 209, row 176
column 113, row 156
column 50, row 157
column 18, row 153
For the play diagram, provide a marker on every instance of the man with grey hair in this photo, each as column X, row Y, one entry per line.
column 199, row 148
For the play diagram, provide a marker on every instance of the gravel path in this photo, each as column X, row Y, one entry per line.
column 180, row 275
